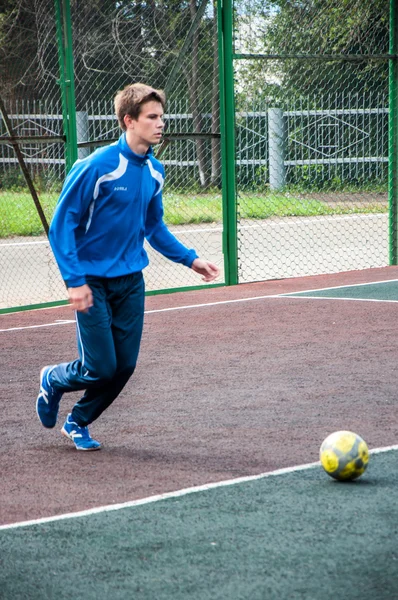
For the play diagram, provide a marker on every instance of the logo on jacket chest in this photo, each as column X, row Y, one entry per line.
column 120, row 188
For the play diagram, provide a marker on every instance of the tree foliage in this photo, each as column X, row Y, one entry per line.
column 28, row 51
column 116, row 42
column 318, row 28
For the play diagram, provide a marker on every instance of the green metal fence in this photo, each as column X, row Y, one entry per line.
column 280, row 148
column 97, row 48
column 320, row 203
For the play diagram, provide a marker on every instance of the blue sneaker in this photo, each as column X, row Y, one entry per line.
column 47, row 403
column 79, row 435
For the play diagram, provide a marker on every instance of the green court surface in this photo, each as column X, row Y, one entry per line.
column 386, row 291
column 292, row 535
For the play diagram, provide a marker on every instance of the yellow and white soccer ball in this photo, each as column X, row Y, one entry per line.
column 344, row 455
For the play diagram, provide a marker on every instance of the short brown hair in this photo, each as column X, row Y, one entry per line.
column 130, row 100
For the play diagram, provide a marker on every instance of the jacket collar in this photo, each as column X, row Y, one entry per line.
column 138, row 159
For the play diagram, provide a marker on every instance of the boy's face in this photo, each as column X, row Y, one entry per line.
column 147, row 129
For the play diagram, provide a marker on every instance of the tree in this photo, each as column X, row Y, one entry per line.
column 320, row 28
column 28, row 51
column 116, row 42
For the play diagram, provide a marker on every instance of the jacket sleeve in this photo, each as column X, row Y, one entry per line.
column 160, row 238
column 73, row 204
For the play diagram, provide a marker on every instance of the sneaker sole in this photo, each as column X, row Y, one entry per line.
column 66, row 434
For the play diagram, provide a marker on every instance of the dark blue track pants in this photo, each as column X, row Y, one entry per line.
column 108, row 339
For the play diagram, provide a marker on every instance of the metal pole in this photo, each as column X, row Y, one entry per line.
column 227, row 126
column 82, row 129
column 61, row 80
column 393, row 133
column 70, row 81
column 276, row 145
column 66, row 80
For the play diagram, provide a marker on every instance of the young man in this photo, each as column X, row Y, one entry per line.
column 111, row 201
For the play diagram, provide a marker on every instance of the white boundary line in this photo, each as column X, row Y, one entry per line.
column 176, row 494
column 339, row 287
column 234, row 301
column 308, row 297
column 65, row 322
column 158, row 310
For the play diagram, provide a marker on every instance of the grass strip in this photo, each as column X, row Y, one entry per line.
column 18, row 216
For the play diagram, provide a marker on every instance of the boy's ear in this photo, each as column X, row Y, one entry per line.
column 127, row 119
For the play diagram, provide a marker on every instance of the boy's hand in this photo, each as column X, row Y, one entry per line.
column 209, row 270
column 80, row 298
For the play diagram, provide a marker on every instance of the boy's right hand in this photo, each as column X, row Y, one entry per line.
column 80, row 298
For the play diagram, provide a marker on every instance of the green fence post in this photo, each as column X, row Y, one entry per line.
column 393, row 132
column 66, row 80
column 227, row 127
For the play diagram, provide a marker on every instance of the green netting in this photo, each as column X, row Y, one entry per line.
column 311, row 96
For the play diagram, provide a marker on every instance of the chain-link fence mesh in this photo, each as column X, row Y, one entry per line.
column 169, row 45
column 31, row 97
column 311, row 83
column 311, row 100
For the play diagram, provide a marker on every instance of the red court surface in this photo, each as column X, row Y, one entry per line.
column 226, row 386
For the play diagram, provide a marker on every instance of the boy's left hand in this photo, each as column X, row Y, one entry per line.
column 209, row 270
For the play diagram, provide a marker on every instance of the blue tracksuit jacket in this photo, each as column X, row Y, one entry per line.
column 110, row 202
